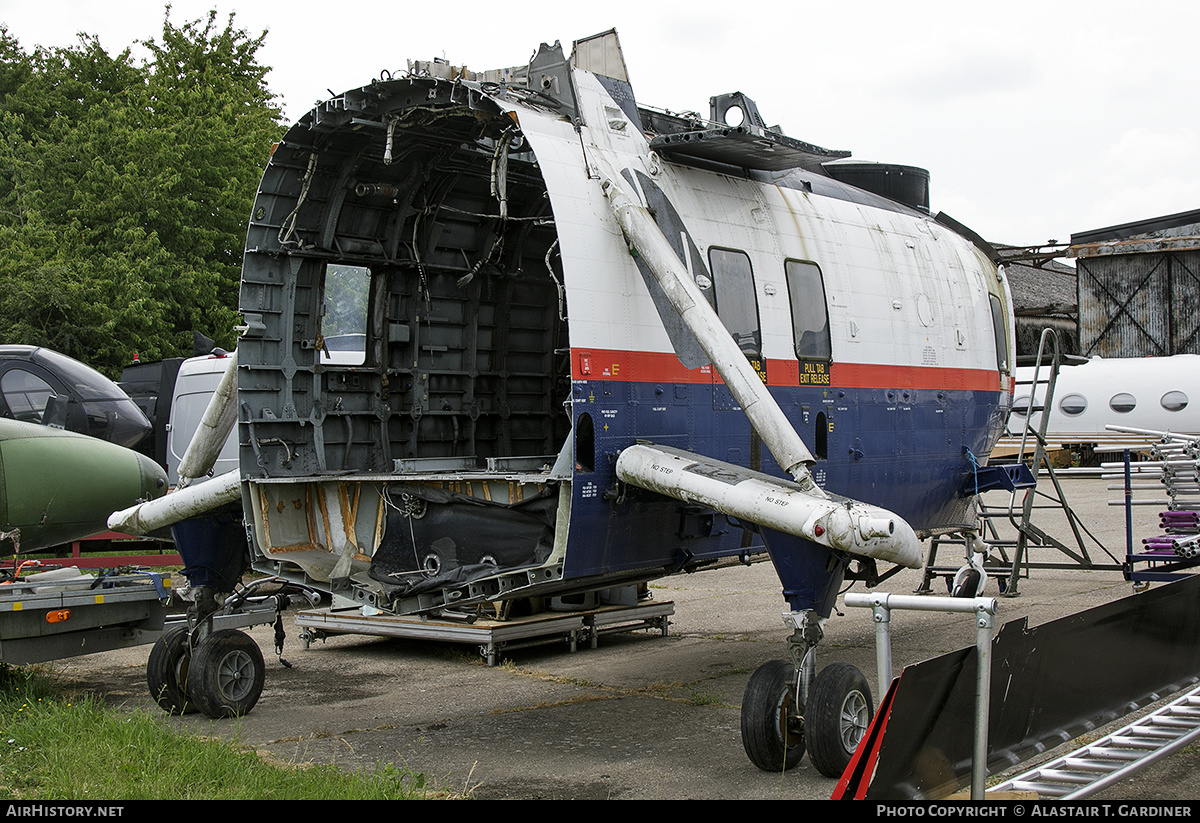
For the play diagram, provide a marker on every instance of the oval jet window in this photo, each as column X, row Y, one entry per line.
column 1073, row 405
column 1122, row 403
column 1021, row 405
column 1174, row 401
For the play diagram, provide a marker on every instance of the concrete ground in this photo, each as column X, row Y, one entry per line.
column 642, row 716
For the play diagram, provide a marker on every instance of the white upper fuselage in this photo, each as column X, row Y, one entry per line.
column 1151, row 393
column 903, row 292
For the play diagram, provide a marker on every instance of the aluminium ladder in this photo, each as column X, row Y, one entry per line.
column 1097, row 765
column 1030, row 536
column 1019, row 513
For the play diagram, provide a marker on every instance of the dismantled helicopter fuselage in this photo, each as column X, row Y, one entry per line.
column 510, row 345
column 511, row 334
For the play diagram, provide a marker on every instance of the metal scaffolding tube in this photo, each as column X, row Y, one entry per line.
column 882, row 604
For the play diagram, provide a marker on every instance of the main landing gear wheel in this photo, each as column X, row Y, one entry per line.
column 226, row 674
column 167, row 672
column 838, row 714
column 772, row 726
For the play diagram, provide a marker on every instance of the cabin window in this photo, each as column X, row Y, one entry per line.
column 1073, row 405
column 1174, row 401
column 733, row 283
column 1123, row 403
column 26, row 395
column 1000, row 332
column 810, row 316
column 1021, row 405
column 344, row 320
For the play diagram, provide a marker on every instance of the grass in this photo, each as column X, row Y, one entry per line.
column 54, row 746
column 704, row 697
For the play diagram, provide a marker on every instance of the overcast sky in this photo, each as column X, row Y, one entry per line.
column 1035, row 119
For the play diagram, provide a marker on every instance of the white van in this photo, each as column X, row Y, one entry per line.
column 197, row 382
column 194, row 387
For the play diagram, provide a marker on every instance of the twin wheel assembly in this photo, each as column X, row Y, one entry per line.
column 222, row 676
column 777, row 725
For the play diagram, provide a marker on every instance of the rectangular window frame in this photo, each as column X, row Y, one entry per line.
column 819, row 350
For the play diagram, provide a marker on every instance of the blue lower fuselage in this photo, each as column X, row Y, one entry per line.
column 907, row 450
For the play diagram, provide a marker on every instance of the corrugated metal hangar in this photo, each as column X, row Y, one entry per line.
column 1139, row 287
column 1133, row 292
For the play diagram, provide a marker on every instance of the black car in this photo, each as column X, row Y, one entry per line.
column 38, row 385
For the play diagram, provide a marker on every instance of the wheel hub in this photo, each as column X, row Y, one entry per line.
column 235, row 675
column 855, row 715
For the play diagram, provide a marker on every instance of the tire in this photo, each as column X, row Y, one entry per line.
column 836, row 720
column 968, row 585
column 167, row 671
column 226, row 675
column 772, row 727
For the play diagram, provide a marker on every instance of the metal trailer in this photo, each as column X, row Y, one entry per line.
column 65, row 613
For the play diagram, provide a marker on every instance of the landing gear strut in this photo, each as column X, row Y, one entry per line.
column 787, row 709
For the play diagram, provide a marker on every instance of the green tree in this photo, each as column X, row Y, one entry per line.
column 125, row 189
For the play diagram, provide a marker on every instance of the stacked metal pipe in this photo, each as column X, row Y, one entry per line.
column 1174, row 465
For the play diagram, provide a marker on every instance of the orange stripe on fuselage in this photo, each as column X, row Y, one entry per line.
column 664, row 367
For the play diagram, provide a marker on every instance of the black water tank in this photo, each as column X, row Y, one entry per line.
column 904, row 184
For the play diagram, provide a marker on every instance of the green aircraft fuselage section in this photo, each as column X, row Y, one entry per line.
column 58, row 486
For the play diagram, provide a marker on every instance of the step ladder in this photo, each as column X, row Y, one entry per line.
column 1091, row 768
column 1027, row 499
column 1076, row 549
